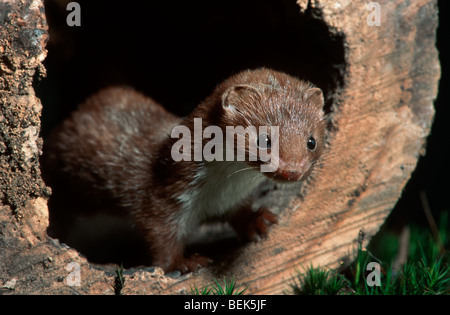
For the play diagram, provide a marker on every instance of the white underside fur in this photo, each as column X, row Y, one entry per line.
column 218, row 188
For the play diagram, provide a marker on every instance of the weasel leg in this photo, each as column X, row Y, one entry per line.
column 167, row 253
column 252, row 225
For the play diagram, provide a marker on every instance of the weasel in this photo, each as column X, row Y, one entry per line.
column 117, row 148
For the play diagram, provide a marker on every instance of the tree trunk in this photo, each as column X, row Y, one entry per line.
column 379, row 120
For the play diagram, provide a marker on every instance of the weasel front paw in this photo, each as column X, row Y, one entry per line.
column 192, row 263
column 251, row 225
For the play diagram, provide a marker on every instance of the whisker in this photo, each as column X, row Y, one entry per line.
column 240, row 170
column 255, row 177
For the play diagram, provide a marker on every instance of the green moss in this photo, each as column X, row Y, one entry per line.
column 426, row 271
column 119, row 281
column 225, row 288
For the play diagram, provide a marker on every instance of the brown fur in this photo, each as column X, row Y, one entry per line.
column 116, row 149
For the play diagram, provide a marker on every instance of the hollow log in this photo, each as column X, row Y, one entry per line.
column 379, row 119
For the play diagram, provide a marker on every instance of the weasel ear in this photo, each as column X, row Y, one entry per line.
column 314, row 96
column 236, row 94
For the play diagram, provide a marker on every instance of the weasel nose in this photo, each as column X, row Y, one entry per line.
column 291, row 175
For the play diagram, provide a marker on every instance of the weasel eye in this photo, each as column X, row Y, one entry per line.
column 311, row 144
column 263, row 141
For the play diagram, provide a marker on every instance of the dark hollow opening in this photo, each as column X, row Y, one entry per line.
column 177, row 52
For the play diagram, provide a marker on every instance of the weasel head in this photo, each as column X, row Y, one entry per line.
column 283, row 122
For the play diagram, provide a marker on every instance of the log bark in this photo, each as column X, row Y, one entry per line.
column 379, row 120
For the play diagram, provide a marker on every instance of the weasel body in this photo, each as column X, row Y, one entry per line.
column 116, row 149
